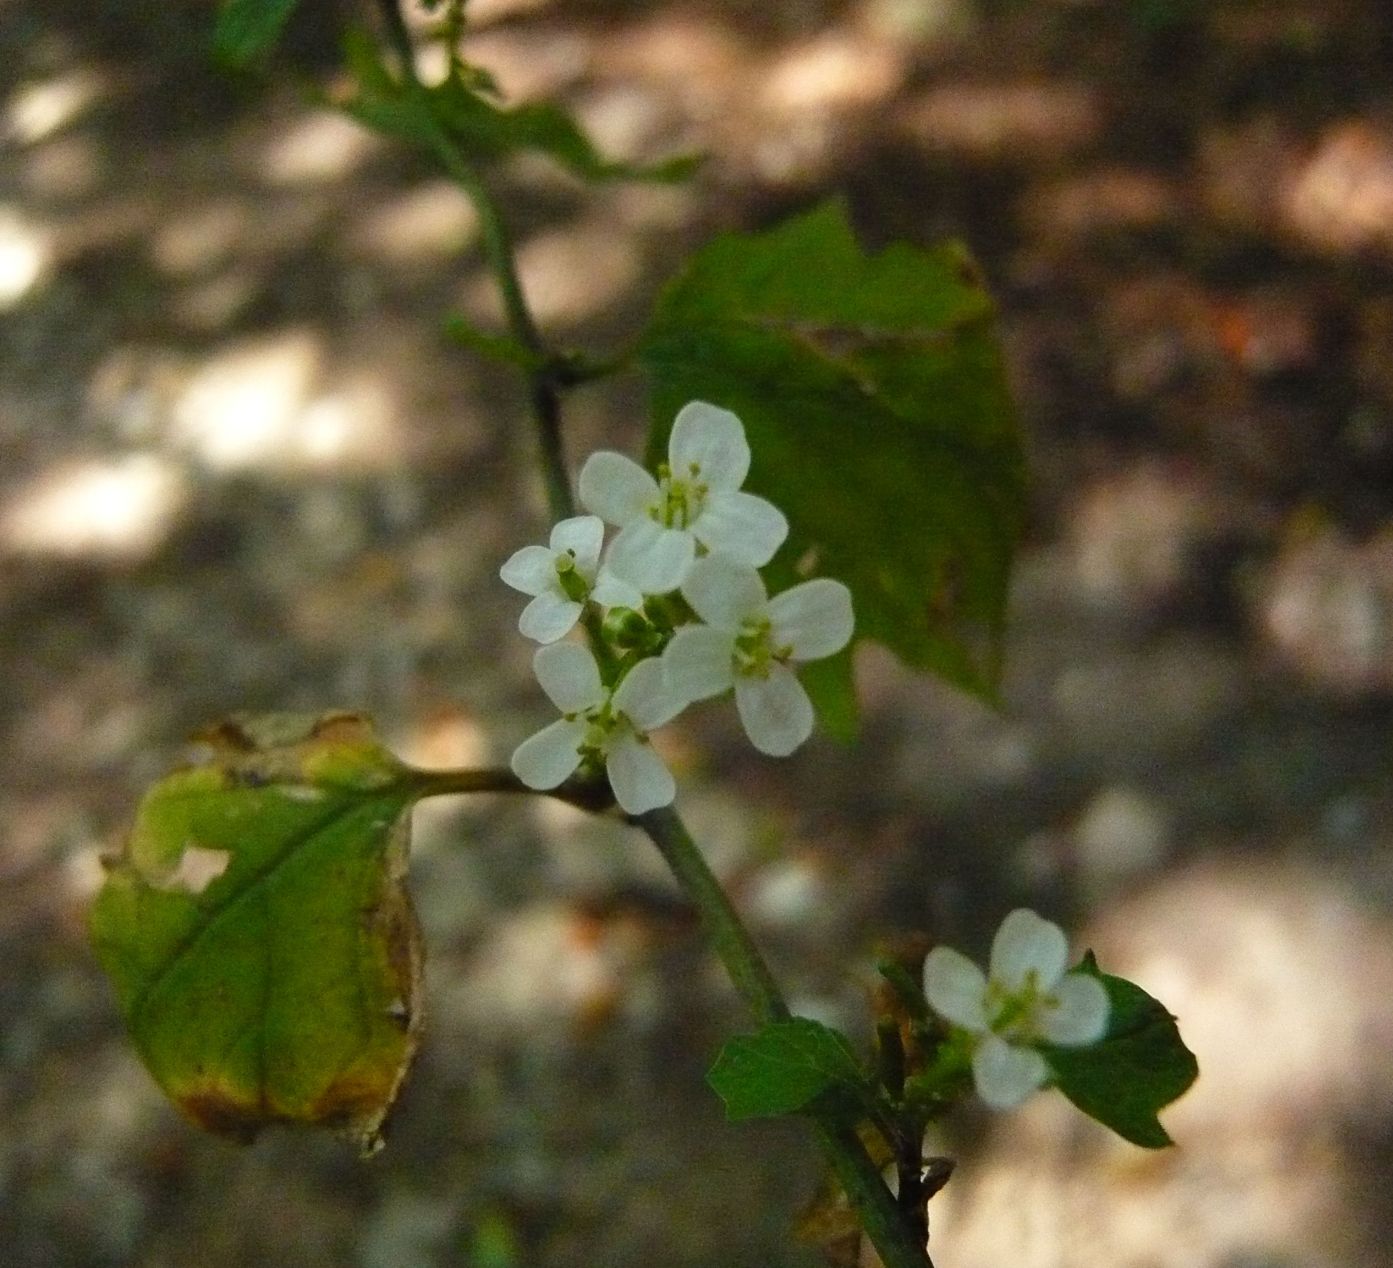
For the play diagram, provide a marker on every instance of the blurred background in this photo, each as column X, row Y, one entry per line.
column 241, row 469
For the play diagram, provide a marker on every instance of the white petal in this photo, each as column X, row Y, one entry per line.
column 714, row 440
column 813, row 618
column 723, row 592
column 551, row 756
column 697, row 663
column 613, row 593
column 583, row 535
column 636, row 773
column 956, row 988
column 1081, row 1014
column 1028, row 943
column 531, row 570
column 1005, row 1075
column 569, row 675
column 651, row 557
column 643, row 697
column 548, row 617
column 742, row 526
column 776, row 711
column 616, row 488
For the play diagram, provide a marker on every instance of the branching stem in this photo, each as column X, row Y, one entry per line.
column 890, row 1233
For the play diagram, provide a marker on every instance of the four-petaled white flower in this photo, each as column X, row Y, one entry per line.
column 600, row 726
column 1028, row 998
column 696, row 499
column 562, row 576
column 748, row 643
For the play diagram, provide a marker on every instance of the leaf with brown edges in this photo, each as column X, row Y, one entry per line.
column 257, row 930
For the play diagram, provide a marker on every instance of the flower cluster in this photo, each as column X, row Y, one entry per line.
column 1026, row 999
column 675, row 610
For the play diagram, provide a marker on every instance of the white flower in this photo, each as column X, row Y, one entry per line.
column 748, row 642
column 600, row 725
column 696, row 498
column 1028, row 999
column 562, row 576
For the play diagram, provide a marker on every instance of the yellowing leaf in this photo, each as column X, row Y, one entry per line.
column 256, row 927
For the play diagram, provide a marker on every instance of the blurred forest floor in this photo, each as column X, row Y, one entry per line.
column 240, row 468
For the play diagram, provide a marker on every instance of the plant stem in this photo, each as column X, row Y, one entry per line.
column 858, row 1175
column 585, row 794
column 542, row 379
column 891, row 1235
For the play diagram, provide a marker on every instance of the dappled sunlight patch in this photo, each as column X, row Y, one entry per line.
column 932, row 22
column 26, row 254
column 281, row 403
column 67, row 167
column 703, row 66
column 117, row 510
column 569, row 274
column 37, row 110
column 1133, row 535
column 441, row 737
column 315, row 149
column 1112, row 200
column 212, row 304
column 482, row 12
column 627, row 122
column 198, row 239
column 258, row 406
column 1326, row 609
column 354, row 426
column 425, row 225
column 993, row 122
column 544, row 973
column 529, row 65
column 241, row 409
column 1342, row 198
column 836, row 71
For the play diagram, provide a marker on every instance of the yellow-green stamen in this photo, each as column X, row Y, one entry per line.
column 680, row 498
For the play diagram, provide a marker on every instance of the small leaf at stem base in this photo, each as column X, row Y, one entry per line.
column 786, row 1067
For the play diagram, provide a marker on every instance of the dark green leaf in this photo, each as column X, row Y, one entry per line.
column 258, row 933
column 247, row 28
column 873, row 393
column 784, row 1068
column 1139, row 1066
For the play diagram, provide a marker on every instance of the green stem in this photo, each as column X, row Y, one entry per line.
column 587, row 794
column 542, row 390
column 729, row 937
column 875, row 1207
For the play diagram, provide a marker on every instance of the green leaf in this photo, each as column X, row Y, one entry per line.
column 263, row 948
column 485, row 130
column 1138, row 1067
column 785, row 1068
column 457, row 110
column 247, row 28
column 873, row 393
